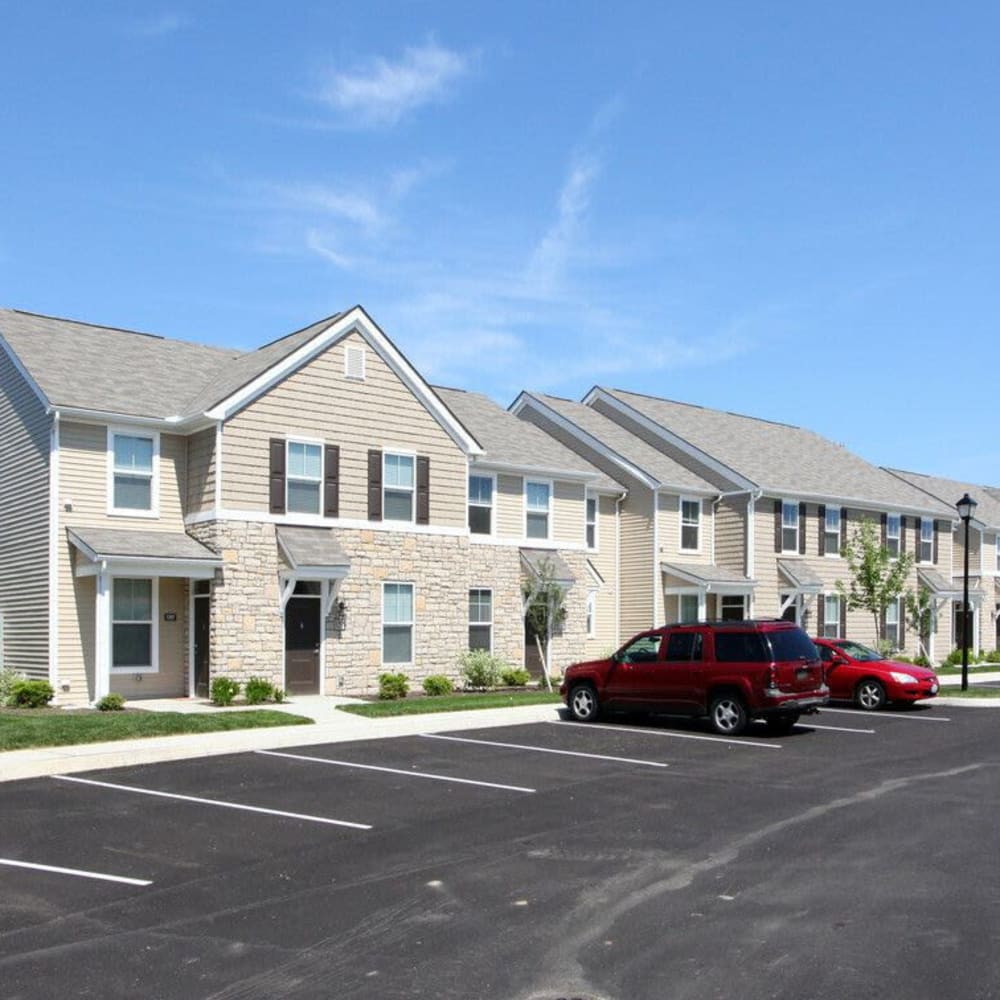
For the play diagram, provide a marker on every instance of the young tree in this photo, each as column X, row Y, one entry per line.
column 919, row 616
column 544, row 602
column 877, row 577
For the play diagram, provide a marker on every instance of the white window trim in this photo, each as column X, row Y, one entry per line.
column 587, row 497
column 291, row 439
column 154, row 485
column 699, row 597
column 827, row 532
column 412, row 623
column 896, row 608
column 492, row 506
column 798, row 526
column 833, row 596
column 548, row 483
column 680, row 528
column 488, row 590
column 898, row 536
column 400, row 453
column 154, row 638
column 921, row 560
column 996, row 542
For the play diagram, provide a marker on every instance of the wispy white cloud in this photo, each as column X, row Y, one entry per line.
column 159, row 25
column 384, row 92
column 351, row 206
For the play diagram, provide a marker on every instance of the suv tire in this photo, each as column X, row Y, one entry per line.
column 728, row 715
column 583, row 703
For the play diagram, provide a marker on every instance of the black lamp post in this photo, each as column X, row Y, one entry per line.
column 966, row 507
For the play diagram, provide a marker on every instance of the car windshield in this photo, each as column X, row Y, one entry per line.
column 863, row 653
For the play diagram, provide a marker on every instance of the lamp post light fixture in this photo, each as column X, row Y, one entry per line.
column 966, row 508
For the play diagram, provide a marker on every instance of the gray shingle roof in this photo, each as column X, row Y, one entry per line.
column 311, row 548
column 109, row 543
column 949, row 491
column 509, row 440
column 623, row 443
column 706, row 573
column 780, row 458
column 540, row 561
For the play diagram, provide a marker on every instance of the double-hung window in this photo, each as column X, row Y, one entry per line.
column 481, row 505
column 304, row 478
column 397, row 623
column 831, row 532
column 689, row 607
column 789, row 526
column 537, row 500
column 591, row 522
column 134, row 459
column 133, row 617
column 481, row 619
column 398, row 487
column 926, row 552
column 831, row 616
column 893, row 616
column 691, row 525
column 893, row 532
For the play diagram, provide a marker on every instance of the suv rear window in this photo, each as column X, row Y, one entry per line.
column 741, row 647
column 791, row 644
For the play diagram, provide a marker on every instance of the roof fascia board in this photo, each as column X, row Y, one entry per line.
column 527, row 400
column 354, row 319
column 575, row 475
column 858, row 502
column 26, row 375
column 670, row 437
column 168, row 425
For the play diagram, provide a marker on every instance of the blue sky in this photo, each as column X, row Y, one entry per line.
column 788, row 210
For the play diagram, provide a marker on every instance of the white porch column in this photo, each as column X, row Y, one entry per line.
column 102, row 633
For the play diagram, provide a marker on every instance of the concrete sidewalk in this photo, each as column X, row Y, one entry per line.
column 331, row 726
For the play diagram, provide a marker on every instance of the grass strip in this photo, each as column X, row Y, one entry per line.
column 950, row 691
column 450, row 703
column 25, row 727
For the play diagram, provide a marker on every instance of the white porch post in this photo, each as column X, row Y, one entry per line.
column 102, row 633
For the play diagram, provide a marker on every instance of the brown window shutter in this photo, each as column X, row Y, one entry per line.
column 885, row 529
column 820, row 613
column 423, row 489
column 843, row 617
column 916, row 540
column 902, row 623
column 277, row 479
column 777, row 525
column 821, row 519
column 374, row 485
column 802, row 529
column 331, row 481
column 935, row 543
column 843, row 530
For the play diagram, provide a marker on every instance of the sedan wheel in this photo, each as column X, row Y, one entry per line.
column 583, row 703
column 728, row 715
column 869, row 695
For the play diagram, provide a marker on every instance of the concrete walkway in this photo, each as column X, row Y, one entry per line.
column 331, row 726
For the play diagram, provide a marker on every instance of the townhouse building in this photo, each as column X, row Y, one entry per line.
column 171, row 512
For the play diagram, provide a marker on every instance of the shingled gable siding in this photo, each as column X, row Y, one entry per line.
column 318, row 401
column 83, row 478
column 24, row 524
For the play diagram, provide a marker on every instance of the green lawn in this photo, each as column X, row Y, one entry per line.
column 977, row 668
column 51, row 727
column 451, row 703
column 954, row 691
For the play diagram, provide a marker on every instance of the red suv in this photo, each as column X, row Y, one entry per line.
column 730, row 671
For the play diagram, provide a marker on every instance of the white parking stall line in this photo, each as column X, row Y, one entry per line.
column 396, row 770
column 732, row 741
column 79, row 873
column 520, row 746
column 832, row 729
column 889, row 715
column 212, row 802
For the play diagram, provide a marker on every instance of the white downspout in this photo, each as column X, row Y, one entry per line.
column 102, row 633
column 54, row 553
column 618, row 569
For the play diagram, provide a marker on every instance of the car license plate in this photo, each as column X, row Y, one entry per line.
column 934, row 689
column 802, row 673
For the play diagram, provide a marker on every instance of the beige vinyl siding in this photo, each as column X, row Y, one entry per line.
column 318, row 401
column 201, row 471
column 638, row 585
column 24, row 524
column 567, row 520
column 83, row 487
column 730, row 523
column 510, row 507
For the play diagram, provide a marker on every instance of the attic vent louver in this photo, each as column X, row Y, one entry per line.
column 354, row 363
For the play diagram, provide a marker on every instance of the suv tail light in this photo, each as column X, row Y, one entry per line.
column 772, row 681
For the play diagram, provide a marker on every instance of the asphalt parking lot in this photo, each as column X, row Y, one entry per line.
column 855, row 857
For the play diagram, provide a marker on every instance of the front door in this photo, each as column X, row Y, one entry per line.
column 302, row 640
column 201, row 635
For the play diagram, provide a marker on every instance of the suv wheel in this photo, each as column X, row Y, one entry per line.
column 583, row 703
column 728, row 715
column 869, row 695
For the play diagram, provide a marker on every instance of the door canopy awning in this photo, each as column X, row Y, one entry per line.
column 802, row 579
column 939, row 586
column 313, row 553
column 545, row 563
column 125, row 552
column 712, row 579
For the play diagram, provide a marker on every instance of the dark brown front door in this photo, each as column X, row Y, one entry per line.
column 201, row 632
column 302, row 638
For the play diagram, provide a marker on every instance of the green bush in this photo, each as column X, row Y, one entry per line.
column 514, row 676
column 437, row 684
column 258, row 690
column 31, row 694
column 481, row 669
column 279, row 695
column 921, row 661
column 224, row 690
column 993, row 656
column 392, row 686
column 8, row 678
column 111, row 703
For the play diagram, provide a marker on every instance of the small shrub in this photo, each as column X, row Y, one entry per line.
column 31, row 694
column 392, row 686
column 257, row 690
column 993, row 656
column 279, row 695
column 921, row 661
column 224, row 690
column 437, row 684
column 111, row 703
column 480, row 669
column 514, row 676
column 8, row 678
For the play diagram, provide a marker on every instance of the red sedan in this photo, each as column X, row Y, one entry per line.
column 869, row 679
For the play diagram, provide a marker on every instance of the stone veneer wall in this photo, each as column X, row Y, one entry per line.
column 247, row 630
